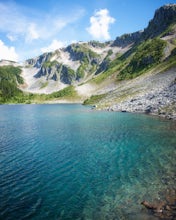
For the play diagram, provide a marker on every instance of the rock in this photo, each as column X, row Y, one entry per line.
column 168, row 208
column 148, row 110
column 148, row 205
column 163, row 17
column 127, row 39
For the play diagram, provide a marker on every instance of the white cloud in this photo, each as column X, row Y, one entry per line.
column 7, row 53
column 27, row 25
column 32, row 33
column 11, row 37
column 55, row 44
column 99, row 24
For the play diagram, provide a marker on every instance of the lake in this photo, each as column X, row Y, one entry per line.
column 66, row 161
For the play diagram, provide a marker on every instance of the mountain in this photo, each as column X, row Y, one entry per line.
column 136, row 72
column 73, row 65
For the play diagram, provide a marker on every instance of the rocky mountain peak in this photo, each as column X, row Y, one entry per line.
column 163, row 18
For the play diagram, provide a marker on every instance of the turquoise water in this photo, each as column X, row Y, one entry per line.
column 69, row 162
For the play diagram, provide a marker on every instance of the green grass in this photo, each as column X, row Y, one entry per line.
column 68, row 92
column 97, row 44
column 82, row 52
column 169, row 30
column 10, row 93
column 114, row 66
column 87, row 58
column 94, row 99
column 147, row 55
column 49, row 64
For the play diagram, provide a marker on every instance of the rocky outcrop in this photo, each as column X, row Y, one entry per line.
column 38, row 61
column 80, row 52
column 163, row 18
column 67, row 75
column 57, row 72
column 49, row 72
column 127, row 39
column 103, row 66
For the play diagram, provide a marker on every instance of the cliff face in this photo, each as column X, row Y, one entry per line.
column 163, row 18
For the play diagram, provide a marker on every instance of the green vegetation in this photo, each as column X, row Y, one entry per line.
column 80, row 71
column 97, row 44
column 87, row 58
column 68, row 92
column 148, row 54
column 82, row 52
column 110, row 52
column 10, row 93
column 9, row 80
column 113, row 67
column 94, row 99
column 135, row 62
column 67, row 74
column 48, row 64
column 168, row 30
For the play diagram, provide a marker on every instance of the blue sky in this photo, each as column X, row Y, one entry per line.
column 29, row 28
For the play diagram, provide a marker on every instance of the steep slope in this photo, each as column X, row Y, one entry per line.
column 162, row 23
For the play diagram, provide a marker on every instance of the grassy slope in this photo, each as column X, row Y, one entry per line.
column 67, row 93
column 9, row 80
column 136, row 69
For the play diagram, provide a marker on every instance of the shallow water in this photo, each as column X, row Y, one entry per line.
column 69, row 162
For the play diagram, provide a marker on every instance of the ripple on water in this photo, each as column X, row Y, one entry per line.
column 70, row 163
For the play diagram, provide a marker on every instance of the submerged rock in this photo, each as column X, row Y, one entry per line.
column 163, row 209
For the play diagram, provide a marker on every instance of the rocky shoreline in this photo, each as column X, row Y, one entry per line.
column 162, row 103
column 153, row 94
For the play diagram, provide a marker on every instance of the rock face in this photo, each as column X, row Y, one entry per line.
column 38, row 61
column 127, row 39
column 163, row 18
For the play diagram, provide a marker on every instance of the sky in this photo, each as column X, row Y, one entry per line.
column 29, row 28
